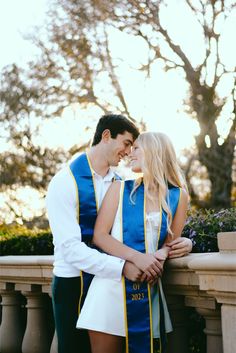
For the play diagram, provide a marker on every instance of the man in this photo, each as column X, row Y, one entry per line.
column 113, row 139
column 74, row 196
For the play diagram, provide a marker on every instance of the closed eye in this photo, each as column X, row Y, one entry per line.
column 127, row 144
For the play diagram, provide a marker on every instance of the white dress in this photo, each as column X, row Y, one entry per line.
column 103, row 309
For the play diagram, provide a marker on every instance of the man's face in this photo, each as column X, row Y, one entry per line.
column 119, row 147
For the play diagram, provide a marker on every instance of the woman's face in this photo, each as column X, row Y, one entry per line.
column 136, row 158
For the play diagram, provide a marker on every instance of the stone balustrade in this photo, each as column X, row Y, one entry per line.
column 206, row 282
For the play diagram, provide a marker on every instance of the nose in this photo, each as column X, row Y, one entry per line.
column 128, row 151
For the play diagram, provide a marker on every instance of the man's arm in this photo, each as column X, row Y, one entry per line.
column 62, row 214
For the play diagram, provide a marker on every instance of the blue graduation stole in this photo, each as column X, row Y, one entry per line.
column 87, row 205
column 138, row 306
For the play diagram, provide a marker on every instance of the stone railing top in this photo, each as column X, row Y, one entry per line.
column 183, row 262
column 220, row 262
column 224, row 261
column 27, row 260
column 25, row 271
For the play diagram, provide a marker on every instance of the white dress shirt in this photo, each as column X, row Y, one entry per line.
column 71, row 255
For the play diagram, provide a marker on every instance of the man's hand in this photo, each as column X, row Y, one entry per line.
column 131, row 272
column 179, row 247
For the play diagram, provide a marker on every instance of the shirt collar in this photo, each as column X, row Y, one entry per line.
column 108, row 177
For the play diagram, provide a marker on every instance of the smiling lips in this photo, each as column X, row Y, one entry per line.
column 120, row 156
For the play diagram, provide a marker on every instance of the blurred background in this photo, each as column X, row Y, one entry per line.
column 169, row 65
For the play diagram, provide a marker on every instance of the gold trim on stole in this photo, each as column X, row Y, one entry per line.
column 77, row 216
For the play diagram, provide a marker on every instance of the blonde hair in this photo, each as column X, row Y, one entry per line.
column 160, row 168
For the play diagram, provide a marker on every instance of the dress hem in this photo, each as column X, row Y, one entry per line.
column 99, row 330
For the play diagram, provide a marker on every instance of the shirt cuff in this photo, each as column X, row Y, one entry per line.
column 116, row 268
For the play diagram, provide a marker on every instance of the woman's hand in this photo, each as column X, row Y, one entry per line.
column 148, row 263
column 162, row 253
column 180, row 247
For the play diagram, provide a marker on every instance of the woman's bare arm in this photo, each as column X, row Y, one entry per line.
column 175, row 246
column 102, row 238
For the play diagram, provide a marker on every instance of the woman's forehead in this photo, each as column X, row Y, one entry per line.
column 136, row 143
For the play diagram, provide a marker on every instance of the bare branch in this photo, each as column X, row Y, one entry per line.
column 194, row 10
column 191, row 74
column 113, row 77
column 170, row 64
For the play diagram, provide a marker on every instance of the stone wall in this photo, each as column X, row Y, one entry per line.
column 206, row 282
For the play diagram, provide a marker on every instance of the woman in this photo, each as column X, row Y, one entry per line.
column 145, row 214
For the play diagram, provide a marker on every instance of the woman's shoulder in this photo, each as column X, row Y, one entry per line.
column 182, row 190
column 184, row 194
column 117, row 184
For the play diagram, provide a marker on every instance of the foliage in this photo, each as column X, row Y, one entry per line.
column 203, row 225
column 197, row 337
column 18, row 240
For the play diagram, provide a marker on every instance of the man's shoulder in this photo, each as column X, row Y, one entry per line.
column 62, row 175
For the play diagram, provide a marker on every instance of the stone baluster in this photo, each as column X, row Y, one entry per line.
column 213, row 329
column 12, row 330
column 228, row 326
column 208, row 308
column 228, row 319
column 217, row 277
column 37, row 335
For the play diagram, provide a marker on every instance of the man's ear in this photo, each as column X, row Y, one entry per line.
column 106, row 135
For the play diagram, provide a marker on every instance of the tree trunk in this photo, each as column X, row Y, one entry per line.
column 221, row 189
column 218, row 160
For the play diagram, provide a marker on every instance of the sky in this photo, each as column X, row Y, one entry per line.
column 158, row 100
column 17, row 18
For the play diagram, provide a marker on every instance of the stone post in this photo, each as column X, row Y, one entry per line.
column 217, row 276
column 11, row 331
column 229, row 326
column 212, row 329
column 37, row 336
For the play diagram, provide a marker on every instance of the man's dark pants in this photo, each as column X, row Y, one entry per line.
column 65, row 299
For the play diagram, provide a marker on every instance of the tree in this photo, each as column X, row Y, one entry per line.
column 144, row 19
column 75, row 58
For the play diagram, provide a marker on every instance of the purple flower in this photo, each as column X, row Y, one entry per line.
column 192, row 234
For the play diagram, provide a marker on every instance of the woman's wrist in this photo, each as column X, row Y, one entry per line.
column 163, row 253
column 132, row 255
